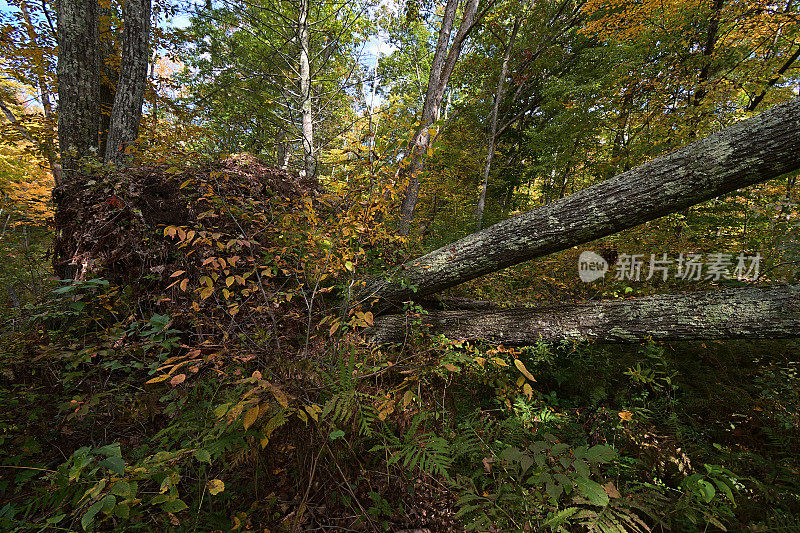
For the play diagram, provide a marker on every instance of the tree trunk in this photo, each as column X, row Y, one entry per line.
column 749, row 313
column 309, row 160
column 78, row 83
column 127, row 111
column 492, row 136
column 751, row 151
column 441, row 69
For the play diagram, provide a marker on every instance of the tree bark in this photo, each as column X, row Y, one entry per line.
column 749, row 313
column 309, row 159
column 78, row 83
column 127, row 111
column 751, row 151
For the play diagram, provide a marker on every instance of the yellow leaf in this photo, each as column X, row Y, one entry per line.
column 369, row 318
column 312, row 412
column 206, row 292
column 626, row 415
column 279, row 395
column 527, row 391
column 408, row 397
column 229, row 280
column 250, row 417
column 521, row 368
column 215, row 486
column 498, row 361
column 158, row 379
column 184, row 284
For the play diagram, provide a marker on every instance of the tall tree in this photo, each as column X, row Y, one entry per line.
column 276, row 78
column 309, row 160
column 444, row 60
column 127, row 111
column 78, row 83
column 491, row 136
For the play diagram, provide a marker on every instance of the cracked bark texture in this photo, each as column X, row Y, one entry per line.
column 127, row 111
column 748, row 313
column 748, row 152
column 78, row 83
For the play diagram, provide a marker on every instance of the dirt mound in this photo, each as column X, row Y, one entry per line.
column 112, row 225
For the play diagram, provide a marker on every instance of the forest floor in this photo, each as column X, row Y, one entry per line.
column 202, row 374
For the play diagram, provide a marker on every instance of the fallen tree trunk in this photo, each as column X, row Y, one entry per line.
column 751, row 151
column 748, row 313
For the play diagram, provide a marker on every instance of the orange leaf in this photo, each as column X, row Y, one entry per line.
column 177, row 380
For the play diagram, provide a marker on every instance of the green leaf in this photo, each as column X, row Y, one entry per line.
column 63, row 290
column 335, row 434
column 592, row 491
column 726, row 490
column 122, row 488
column 110, row 450
column 174, row 506
column 600, row 454
column 122, row 510
column 511, row 453
column 559, row 448
column 109, row 502
column 554, row 490
column 581, row 468
column 707, row 489
column 560, row 517
column 88, row 516
column 55, row 519
column 203, row 456
column 115, row 464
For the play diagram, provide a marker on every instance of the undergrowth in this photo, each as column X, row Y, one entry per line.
column 227, row 388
